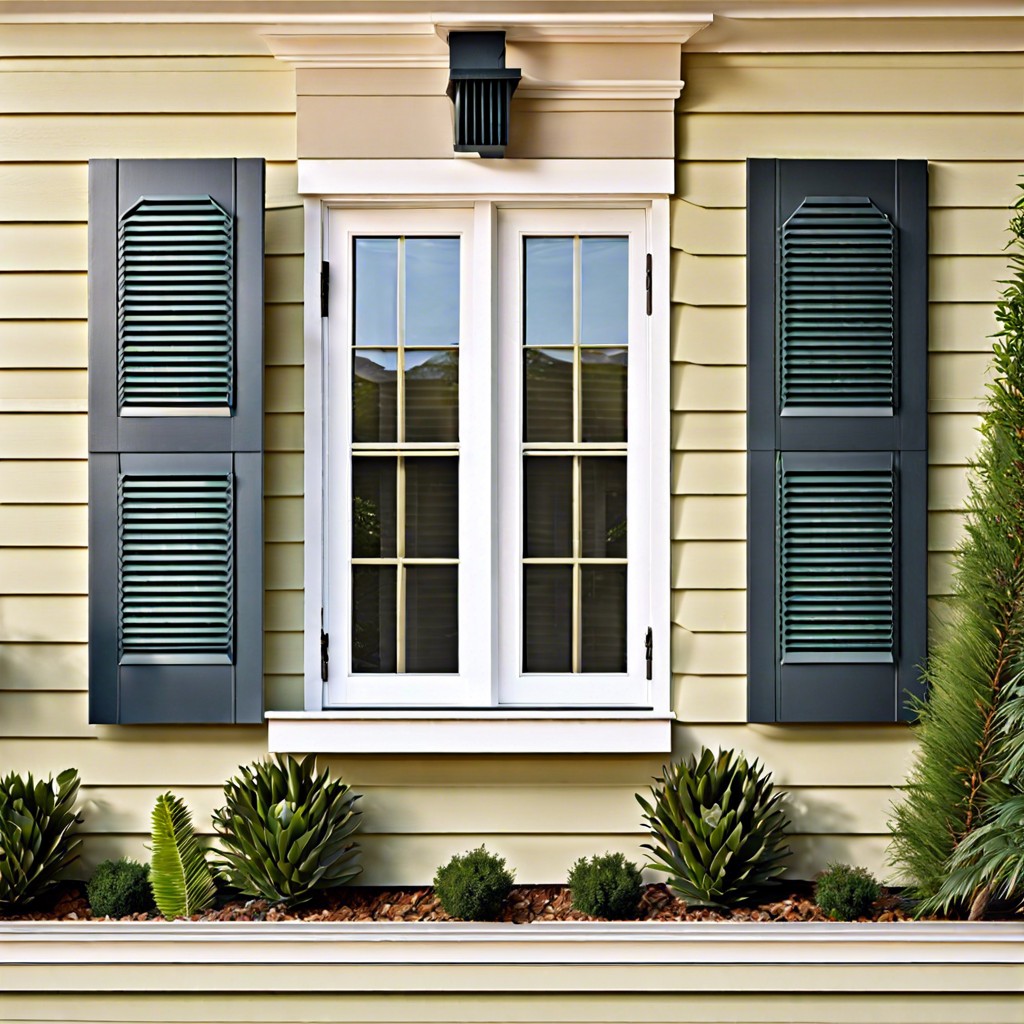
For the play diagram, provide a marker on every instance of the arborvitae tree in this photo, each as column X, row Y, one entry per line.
column 957, row 773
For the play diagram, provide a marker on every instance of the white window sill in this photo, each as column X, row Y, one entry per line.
column 470, row 731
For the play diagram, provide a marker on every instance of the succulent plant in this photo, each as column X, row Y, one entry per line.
column 180, row 874
column 285, row 830
column 718, row 830
column 35, row 841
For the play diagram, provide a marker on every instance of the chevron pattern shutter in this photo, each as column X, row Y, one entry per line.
column 175, row 298
column 837, row 317
column 175, row 558
column 838, row 305
column 176, row 441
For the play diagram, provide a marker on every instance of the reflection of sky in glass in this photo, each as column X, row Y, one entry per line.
column 548, row 291
column 376, row 286
column 432, row 291
column 604, row 291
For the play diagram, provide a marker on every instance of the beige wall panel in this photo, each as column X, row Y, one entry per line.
column 417, row 126
column 708, row 654
column 43, row 570
column 43, row 246
column 707, row 517
column 80, row 137
column 371, row 81
column 148, row 92
column 282, row 326
column 971, row 182
column 282, row 519
column 43, row 482
column 62, row 344
column 43, row 620
column 710, row 334
column 704, row 388
column 961, row 327
column 966, row 278
column 613, row 61
column 749, row 86
column 709, row 280
column 952, row 439
column 41, row 666
column 701, row 231
column 283, row 392
column 43, row 390
column 718, row 431
column 113, row 40
column 945, row 530
column 710, row 611
column 940, row 575
column 935, row 137
column 958, row 375
column 44, row 296
column 283, row 693
column 709, row 473
column 282, row 474
column 283, row 432
column 710, row 565
column 42, row 436
column 634, row 135
column 61, row 715
column 283, row 232
column 709, row 698
column 968, row 232
column 282, row 279
column 282, row 652
column 65, row 526
column 711, row 183
column 947, row 488
column 282, row 568
column 282, row 610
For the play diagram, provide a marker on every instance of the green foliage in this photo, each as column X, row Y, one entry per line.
column 180, row 876
column 285, row 830
column 956, row 779
column 846, row 893
column 607, row 886
column 718, row 829
column 473, row 886
column 35, row 842
column 119, row 888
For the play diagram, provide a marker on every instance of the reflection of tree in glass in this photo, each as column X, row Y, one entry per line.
column 365, row 528
column 616, row 532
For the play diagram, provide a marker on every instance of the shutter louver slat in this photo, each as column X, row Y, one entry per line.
column 837, row 561
column 175, row 304
column 837, row 316
column 176, row 555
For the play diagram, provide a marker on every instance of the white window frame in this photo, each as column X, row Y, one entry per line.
column 477, row 717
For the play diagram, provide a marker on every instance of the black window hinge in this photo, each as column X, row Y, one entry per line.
column 649, row 644
column 650, row 290
column 325, row 287
column 325, row 654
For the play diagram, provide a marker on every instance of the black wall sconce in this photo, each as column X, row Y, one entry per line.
column 481, row 88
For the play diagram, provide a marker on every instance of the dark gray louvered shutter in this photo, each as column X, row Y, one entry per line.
column 175, row 440
column 837, row 435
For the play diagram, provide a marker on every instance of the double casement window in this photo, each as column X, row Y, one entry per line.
column 487, row 458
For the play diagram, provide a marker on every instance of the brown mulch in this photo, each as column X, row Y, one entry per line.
column 525, row 905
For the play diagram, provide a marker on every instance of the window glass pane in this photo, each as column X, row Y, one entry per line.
column 549, row 405
column 373, row 618
column 431, row 395
column 604, row 288
column 547, row 481
column 432, row 618
column 603, row 378
column 374, row 395
column 376, row 288
column 374, row 507
column 604, row 507
column 603, row 618
column 432, row 291
column 548, row 291
column 431, row 507
column 547, row 618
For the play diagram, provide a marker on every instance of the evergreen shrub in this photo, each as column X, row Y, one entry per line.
column 120, row 888
column 846, row 893
column 605, row 886
column 473, row 886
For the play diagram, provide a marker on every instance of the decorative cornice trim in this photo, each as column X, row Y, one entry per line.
column 609, row 89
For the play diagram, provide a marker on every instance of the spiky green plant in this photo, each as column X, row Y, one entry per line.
column 956, row 775
column 35, row 841
column 179, row 873
column 285, row 830
column 718, row 829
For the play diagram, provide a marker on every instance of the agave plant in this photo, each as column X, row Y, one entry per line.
column 35, row 822
column 285, row 829
column 718, row 830
column 179, row 873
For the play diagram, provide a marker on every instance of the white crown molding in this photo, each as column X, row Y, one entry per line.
column 617, row 89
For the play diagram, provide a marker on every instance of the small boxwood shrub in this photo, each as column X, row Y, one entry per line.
column 119, row 888
column 473, row 886
column 846, row 893
column 605, row 886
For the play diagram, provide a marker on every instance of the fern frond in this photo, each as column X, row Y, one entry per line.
column 179, row 873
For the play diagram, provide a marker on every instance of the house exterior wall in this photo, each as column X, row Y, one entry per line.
column 75, row 92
